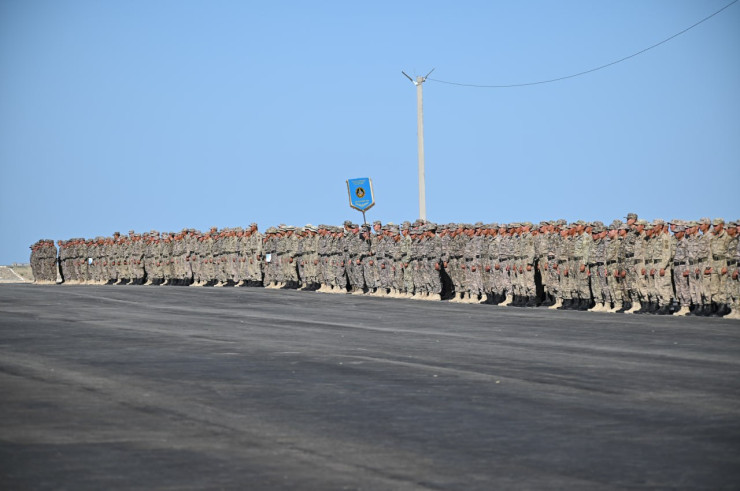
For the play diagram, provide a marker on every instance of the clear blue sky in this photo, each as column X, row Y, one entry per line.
column 142, row 115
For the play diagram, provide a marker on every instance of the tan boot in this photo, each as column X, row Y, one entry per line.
column 509, row 298
column 617, row 306
column 683, row 311
column 635, row 306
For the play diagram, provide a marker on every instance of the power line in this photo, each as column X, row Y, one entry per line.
column 591, row 70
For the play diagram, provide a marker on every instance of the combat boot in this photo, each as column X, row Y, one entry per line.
column 507, row 300
column 624, row 308
column 663, row 310
column 434, row 297
column 557, row 304
column 635, row 306
column 700, row 310
column 484, row 298
column 616, row 308
column 722, row 310
column 683, row 311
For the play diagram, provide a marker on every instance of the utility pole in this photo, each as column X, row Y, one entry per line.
column 420, row 137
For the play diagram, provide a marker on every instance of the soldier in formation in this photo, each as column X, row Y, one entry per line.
column 634, row 267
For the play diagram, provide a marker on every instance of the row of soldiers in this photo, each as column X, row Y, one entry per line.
column 677, row 268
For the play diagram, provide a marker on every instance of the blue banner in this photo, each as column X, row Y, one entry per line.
column 360, row 193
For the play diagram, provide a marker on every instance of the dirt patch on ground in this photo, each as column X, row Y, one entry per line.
column 15, row 274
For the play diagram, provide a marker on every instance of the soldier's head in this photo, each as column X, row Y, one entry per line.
column 732, row 228
column 704, row 224
column 631, row 218
column 717, row 225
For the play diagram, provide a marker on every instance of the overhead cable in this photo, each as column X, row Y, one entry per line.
column 587, row 71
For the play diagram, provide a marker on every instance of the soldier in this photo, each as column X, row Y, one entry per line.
column 110, row 252
column 564, row 268
column 635, row 263
column 652, row 258
column 35, row 262
column 340, row 259
column 197, row 260
column 515, row 259
column 396, row 261
column 365, row 261
column 269, row 245
column 299, row 255
column 497, row 292
column 527, row 256
column 415, row 261
column 137, row 247
column 470, row 266
column 733, row 271
column 681, row 268
column 373, row 279
column 312, row 258
column 218, row 274
column 406, row 243
column 351, row 247
column 431, row 250
column 694, row 277
column 256, row 255
column 613, row 294
column 382, row 243
column 703, row 258
column 597, row 269
column 542, row 238
column 663, row 253
column 581, row 258
column 507, row 255
column 455, row 261
column 151, row 257
column 719, row 243
column 324, row 253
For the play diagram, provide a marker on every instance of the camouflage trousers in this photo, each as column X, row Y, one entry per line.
column 456, row 273
column 718, row 283
column 599, row 288
column 473, row 278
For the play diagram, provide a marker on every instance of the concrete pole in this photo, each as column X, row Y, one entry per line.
column 420, row 135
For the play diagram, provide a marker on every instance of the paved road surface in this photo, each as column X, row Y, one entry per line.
column 125, row 387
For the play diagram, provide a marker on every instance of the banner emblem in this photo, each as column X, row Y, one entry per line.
column 360, row 192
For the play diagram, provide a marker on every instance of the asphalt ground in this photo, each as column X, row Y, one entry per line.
column 134, row 387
